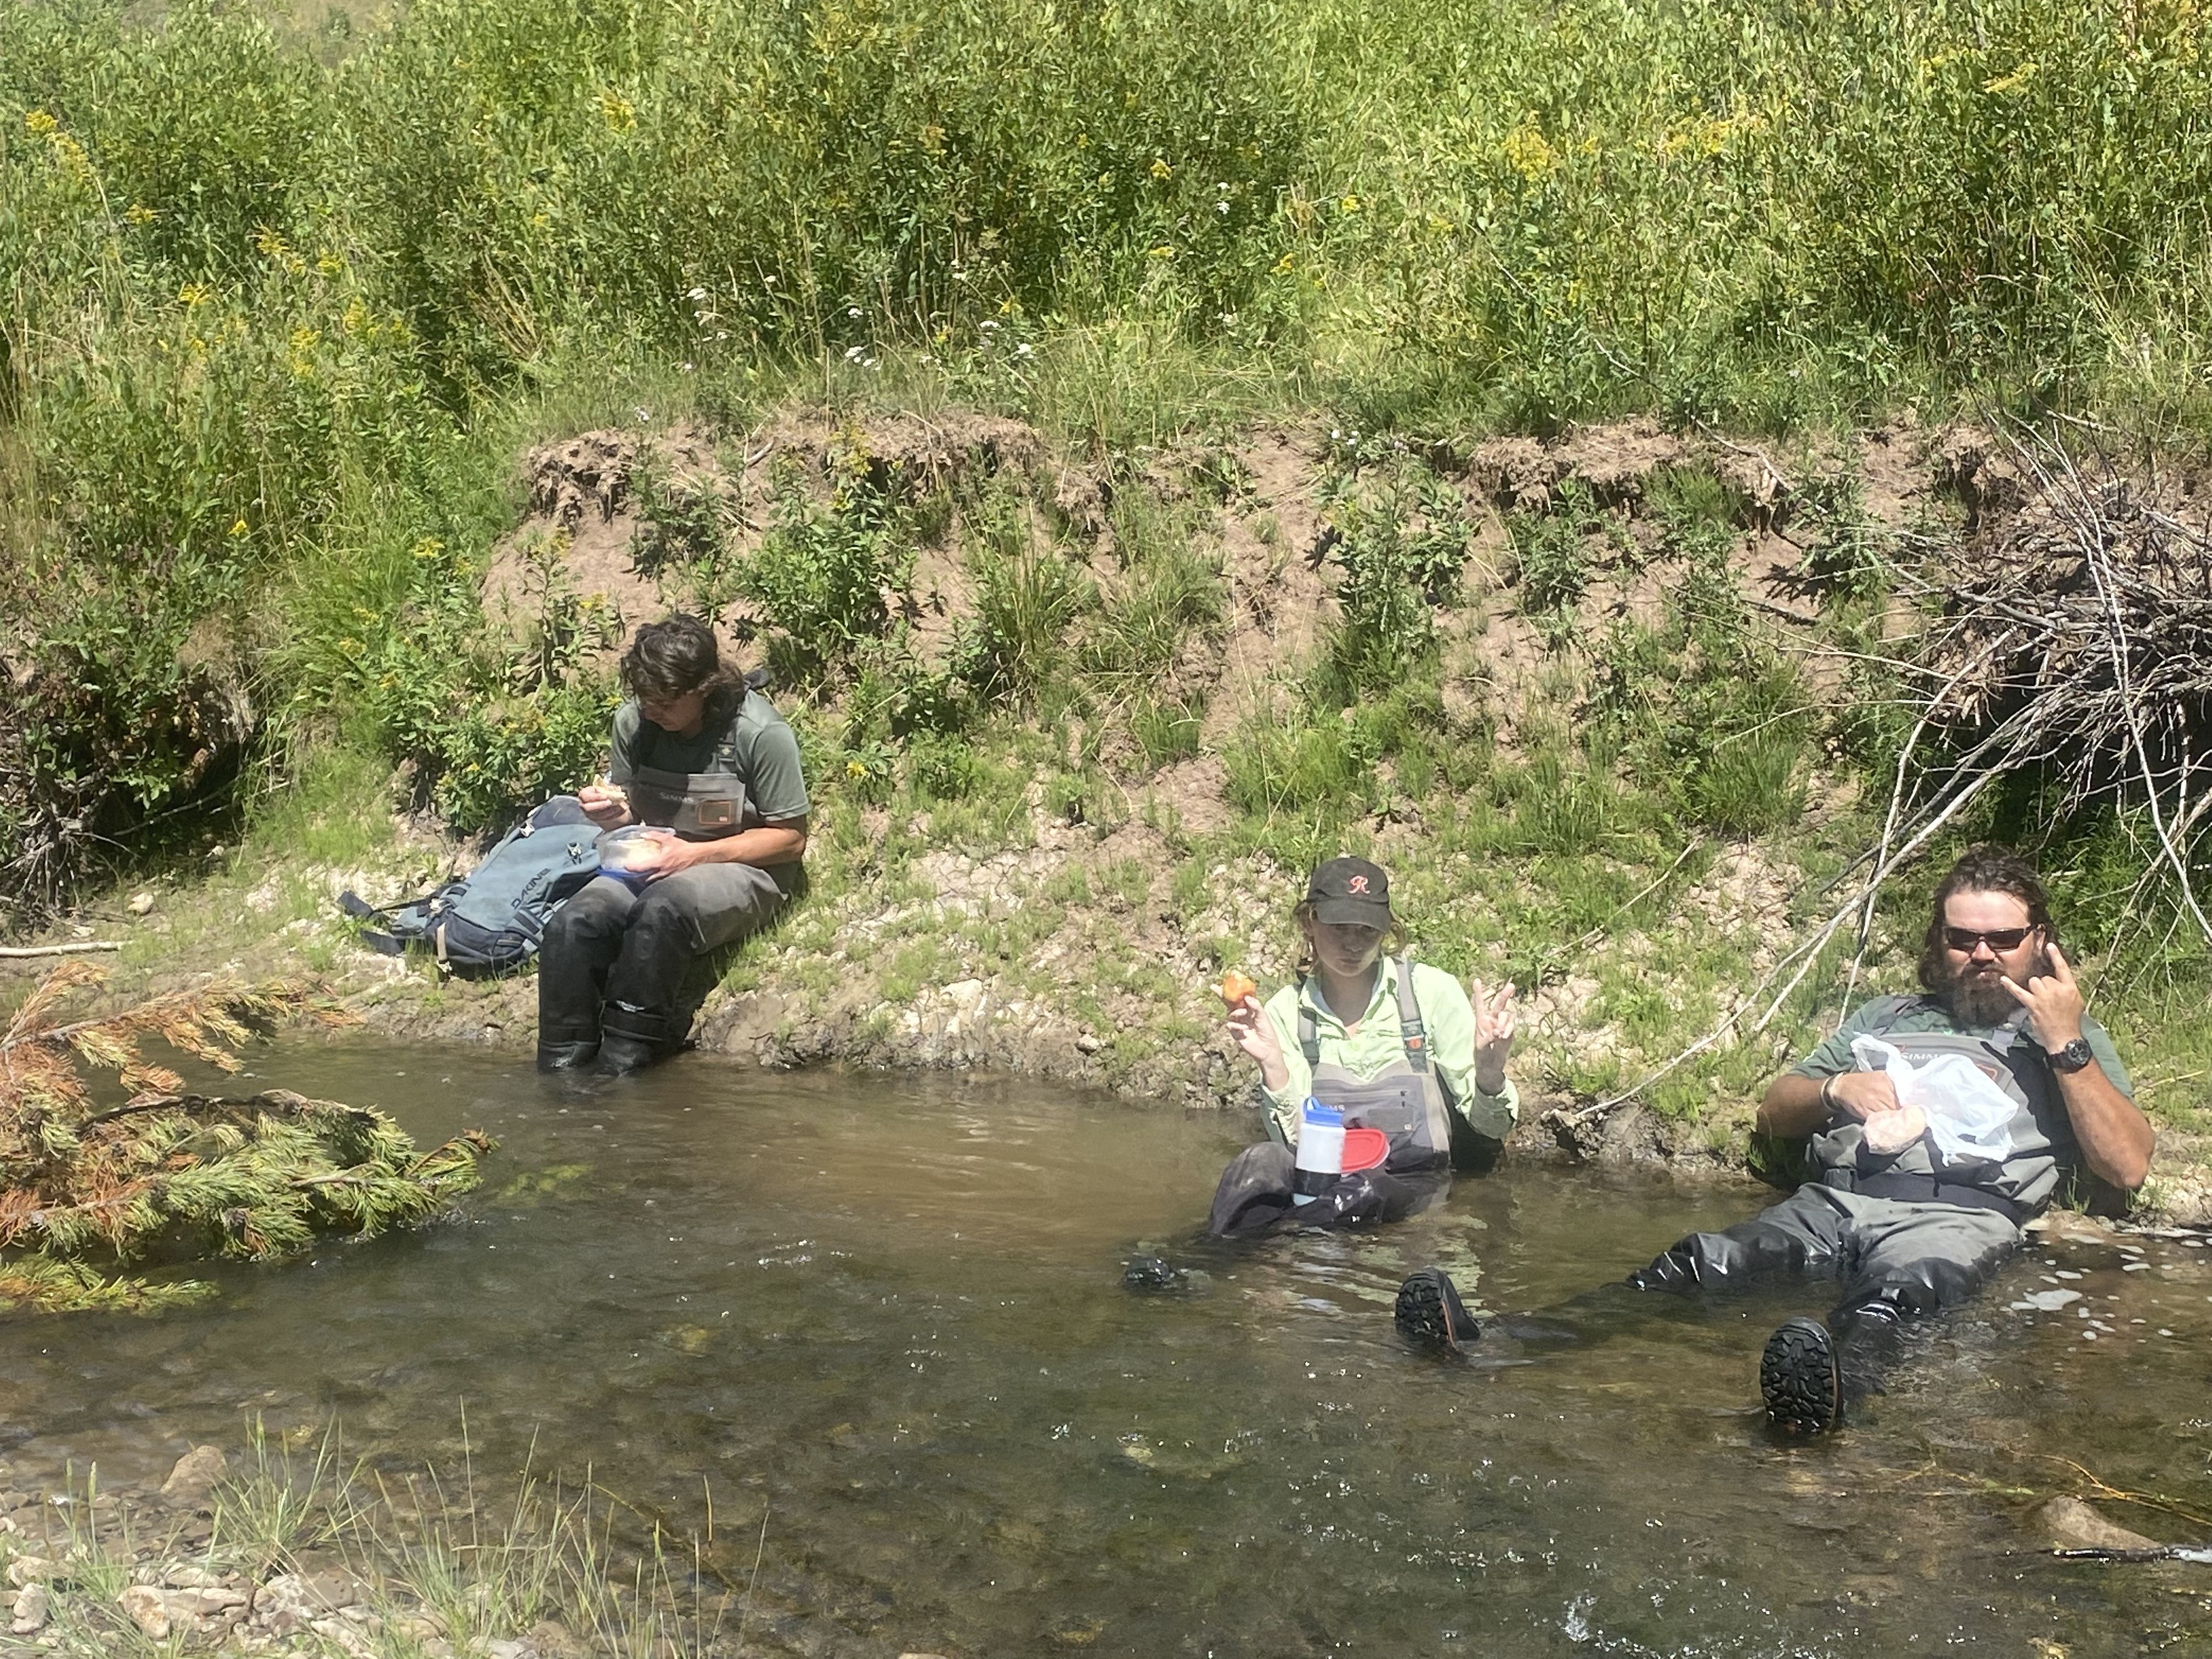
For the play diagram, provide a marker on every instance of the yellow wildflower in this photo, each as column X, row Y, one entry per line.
column 429, row 547
column 1162, row 252
column 38, row 123
column 1284, row 265
column 192, row 293
column 855, row 769
column 1160, row 169
column 1348, row 205
column 1526, row 154
column 330, row 265
column 139, row 214
column 238, row 528
column 617, row 111
column 2013, row 83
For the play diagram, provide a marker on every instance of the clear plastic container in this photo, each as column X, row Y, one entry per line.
column 622, row 850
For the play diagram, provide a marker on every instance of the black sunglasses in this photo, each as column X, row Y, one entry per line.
column 1998, row 939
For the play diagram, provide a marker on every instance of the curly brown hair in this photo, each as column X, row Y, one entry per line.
column 673, row 658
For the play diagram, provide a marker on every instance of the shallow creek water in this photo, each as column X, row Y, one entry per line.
column 885, row 1312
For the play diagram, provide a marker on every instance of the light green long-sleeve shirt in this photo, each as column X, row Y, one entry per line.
column 1446, row 1013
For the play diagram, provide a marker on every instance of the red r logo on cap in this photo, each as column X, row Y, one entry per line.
column 1359, row 883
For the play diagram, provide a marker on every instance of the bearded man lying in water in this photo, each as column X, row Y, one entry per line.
column 1904, row 1222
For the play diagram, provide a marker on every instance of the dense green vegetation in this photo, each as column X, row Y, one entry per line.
column 278, row 312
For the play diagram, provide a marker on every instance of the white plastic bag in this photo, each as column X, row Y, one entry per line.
column 1969, row 1118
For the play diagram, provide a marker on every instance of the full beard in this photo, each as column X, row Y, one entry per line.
column 1978, row 995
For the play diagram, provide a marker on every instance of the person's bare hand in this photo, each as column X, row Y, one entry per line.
column 604, row 805
column 1497, row 1018
column 663, row 854
column 1862, row 1094
column 1250, row 1030
column 2053, row 1001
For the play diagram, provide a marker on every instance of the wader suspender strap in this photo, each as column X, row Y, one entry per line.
column 1414, row 1034
column 726, row 750
column 1411, row 1032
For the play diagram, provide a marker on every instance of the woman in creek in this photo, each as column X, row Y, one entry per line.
column 702, row 758
column 1392, row 1044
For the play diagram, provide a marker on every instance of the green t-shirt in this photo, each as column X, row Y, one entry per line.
column 764, row 751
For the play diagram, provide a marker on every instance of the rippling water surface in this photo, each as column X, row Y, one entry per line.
column 883, row 1314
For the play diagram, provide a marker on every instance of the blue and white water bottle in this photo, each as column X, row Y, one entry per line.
column 1321, row 1151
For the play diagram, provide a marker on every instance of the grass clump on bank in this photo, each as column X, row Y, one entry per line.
column 322, row 1553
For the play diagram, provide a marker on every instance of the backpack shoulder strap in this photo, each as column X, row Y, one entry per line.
column 1411, row 1030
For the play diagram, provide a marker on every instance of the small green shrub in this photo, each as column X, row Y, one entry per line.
column 1551, row 560
column 1401, row 538
column 824, row 579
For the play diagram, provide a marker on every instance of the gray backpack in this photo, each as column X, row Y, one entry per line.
column 490, row 920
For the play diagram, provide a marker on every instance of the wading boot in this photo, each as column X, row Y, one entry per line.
column 631, row 1039
column 1800, row 1379
column 1145, row 1273
column 567, row 1056
column 1430, row 1316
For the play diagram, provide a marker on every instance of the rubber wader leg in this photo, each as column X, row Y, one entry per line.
column 1803, row 1235
column 1253, row 1193
column 656, row 984
column 1373, row 1196
column 1914, row 1259
column 580, row 945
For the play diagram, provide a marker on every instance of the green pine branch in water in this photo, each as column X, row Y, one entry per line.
column 169, row 1174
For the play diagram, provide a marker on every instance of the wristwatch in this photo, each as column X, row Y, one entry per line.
column 2072, row 1058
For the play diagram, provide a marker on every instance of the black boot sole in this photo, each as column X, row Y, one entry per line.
column 1425, row 1310
column 1799, row 1380
column 1148, row 1274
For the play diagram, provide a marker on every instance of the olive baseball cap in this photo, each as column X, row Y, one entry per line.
column 1350, row 891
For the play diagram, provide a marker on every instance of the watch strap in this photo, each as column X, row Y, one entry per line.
column 2073, row 1057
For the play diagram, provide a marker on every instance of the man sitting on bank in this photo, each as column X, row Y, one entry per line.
column 1905, row 1233
column 709, row 763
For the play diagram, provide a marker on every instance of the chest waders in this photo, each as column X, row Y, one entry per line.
column 696, row 805
column 1406, row 1100
column 1899, row 1237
